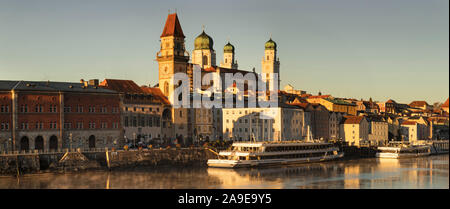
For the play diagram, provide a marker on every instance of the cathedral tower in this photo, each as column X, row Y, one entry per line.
column 204, row 54
column 270, row 62
column 228, row 57
column 171, row 57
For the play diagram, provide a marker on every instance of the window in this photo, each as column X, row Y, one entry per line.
column 4, row 108
column 4, row 126
column 38, row 108
column 205, row 60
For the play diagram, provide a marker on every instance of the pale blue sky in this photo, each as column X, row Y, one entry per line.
column 382, row 49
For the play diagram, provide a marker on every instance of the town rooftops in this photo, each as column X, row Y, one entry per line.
column 122, row 86
column 319, row 96
column 339, row 102
column 418, row 104
column 391, row 101
column 302, row 105
column 445, row 103
column 352, row 119
column 172, row 27
column 156, row 92
column 409, row 122
column 51, row 86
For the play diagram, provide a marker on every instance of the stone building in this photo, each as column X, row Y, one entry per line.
column 334, row 104
column 334, row 125
column 354, row 130
column 320, row 122
column 263, row 124
column 378, row 130
column 142, row 110
column 54, row 115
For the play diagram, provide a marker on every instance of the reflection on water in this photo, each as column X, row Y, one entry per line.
column 424, row 172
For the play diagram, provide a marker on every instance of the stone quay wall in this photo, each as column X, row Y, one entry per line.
column 18, row 164
column 157, row 157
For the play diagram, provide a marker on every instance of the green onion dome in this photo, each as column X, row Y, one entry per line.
column 203, row 41
column 271, row 44
column 228, row 48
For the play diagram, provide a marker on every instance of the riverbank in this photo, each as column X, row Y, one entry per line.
column 32, row 163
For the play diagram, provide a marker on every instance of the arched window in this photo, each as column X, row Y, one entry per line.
column 226, row 61
column 205, row 60
column 166, row 88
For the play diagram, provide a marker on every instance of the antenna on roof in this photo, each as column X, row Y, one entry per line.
column 169, row 11
column 270, row 35
column 203, row 27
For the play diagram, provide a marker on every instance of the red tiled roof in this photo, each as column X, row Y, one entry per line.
column 172, row 27
column 445, row 103
column 302, row 105
column 122, row 86
column 305, row 95
column 353, row 119
column 319, row 96
column 408, row 122
column 418, row 104
column 156, row 92
column 391, row 101
column 210, row 69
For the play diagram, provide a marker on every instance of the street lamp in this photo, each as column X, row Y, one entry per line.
column 70, row 141
column 10, row 142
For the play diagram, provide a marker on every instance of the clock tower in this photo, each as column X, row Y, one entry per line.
column 171, row 57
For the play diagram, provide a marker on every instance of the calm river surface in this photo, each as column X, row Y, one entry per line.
column 414, row 173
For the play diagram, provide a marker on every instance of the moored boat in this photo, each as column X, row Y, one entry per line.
column 403, row 151
column 254, row 154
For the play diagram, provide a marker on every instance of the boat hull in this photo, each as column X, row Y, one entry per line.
column 401, row 155
column 272, row 162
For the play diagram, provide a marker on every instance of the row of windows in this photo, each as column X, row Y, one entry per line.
column 134, row 109
column 38, row 125
column 4, row 126
column 4, row 108
column 54, row 125
column 54, row 108
column 92, row 109
column 317, row 154
column 245, row 130
column 253, row 121
column 142, row 121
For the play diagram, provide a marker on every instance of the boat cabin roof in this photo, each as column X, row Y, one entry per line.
column 277, row 144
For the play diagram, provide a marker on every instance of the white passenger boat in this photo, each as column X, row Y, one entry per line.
column 403, row 151
column 253, row 154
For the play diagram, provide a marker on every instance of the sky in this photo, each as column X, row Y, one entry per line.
column 377, row 49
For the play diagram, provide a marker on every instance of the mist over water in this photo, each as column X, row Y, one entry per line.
column 431, row 172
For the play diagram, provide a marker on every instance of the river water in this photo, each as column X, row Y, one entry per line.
column 371, row 173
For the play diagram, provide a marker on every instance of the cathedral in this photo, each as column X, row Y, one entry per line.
column 204, row 124
column 174, row 58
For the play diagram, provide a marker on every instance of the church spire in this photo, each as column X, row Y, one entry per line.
column 172, row 27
